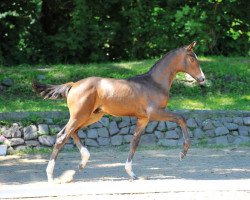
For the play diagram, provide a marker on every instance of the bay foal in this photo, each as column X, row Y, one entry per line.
column 144, row 96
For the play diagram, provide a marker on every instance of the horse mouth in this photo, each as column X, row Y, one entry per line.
column 203, row 82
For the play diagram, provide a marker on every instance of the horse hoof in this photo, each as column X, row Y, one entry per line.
column 67, row 177
column 81, row 166
column 182, row 155
column 144, row 178
column 133, row 178
column 51, row 181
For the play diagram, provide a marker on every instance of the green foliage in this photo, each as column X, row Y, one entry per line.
column 16, row 19
column 63, row 31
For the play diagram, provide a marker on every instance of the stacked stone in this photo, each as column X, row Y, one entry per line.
column 41, row 135
column 118, row 131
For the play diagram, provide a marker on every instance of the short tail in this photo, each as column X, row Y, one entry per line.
column 52, row 91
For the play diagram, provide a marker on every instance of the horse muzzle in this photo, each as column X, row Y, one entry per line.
column 201, row 80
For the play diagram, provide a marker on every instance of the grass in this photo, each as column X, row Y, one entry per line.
column 228, row 85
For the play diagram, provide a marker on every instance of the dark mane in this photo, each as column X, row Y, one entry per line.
column 161, row 59
column 146, row 76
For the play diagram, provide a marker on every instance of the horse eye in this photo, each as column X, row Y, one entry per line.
column 192, row 59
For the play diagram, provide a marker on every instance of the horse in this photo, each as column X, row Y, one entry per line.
column 144, row 96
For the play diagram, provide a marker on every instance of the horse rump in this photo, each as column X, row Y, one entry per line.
column 52, row 91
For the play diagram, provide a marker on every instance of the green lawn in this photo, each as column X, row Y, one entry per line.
column 228, row 85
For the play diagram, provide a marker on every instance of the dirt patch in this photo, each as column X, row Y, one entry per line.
column 204, row 174
column 108, row 165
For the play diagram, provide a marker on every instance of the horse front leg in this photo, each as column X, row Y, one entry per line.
column 163, row 115
column 140, row 125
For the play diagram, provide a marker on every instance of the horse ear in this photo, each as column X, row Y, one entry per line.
column 191, row 46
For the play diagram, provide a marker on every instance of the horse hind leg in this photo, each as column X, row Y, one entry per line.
column 60, row 141
column 62, row 138
column 83, row 150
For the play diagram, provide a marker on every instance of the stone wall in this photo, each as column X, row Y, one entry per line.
column 206, row 127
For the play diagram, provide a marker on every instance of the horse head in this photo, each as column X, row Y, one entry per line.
column 191, row 65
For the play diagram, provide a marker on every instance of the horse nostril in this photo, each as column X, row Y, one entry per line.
column 201, row 80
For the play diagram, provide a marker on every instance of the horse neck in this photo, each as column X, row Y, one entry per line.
column 164, row 71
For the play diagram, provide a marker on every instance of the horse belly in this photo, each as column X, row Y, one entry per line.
column 125, row 105
column 118, row 98
column 121, row 111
